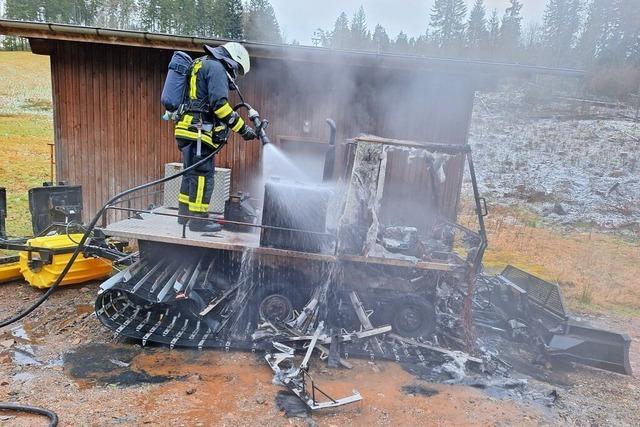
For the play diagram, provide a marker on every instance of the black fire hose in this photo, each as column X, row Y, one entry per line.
column 53, row 417
column 21, row 315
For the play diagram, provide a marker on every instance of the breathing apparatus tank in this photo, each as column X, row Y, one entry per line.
column 175, row 85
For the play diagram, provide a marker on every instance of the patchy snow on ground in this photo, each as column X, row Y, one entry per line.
column 573, row 169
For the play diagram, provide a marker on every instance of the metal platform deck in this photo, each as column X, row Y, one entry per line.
column 165, row 229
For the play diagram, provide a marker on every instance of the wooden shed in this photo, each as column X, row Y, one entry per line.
column 109, row 135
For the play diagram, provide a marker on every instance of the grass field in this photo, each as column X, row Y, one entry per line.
column 597, row 272
column 26, row 127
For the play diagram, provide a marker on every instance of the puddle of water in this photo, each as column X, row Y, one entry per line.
column 23, row 333
column 23, row 356
column 20, row 332
column 23, row 351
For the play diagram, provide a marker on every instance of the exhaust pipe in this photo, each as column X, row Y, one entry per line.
column 330, row 156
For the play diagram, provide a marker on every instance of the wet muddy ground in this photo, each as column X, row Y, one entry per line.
column 63, row 359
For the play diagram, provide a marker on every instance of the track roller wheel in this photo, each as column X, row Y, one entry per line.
column 276, row 303
column 276, row 308
column 413, row 317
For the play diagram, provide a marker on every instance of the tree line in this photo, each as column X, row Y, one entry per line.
column 230, row 19
column 593, row 34
column 572, row 33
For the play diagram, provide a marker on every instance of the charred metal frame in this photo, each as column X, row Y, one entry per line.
column 452, row 149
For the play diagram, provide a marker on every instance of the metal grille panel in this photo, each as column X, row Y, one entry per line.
column 540, row 291
column 221, row 188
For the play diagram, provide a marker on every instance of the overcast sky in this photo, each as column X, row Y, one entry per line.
column 299, row 18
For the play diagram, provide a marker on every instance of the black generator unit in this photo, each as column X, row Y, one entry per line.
column 3, row 213
column 239, row 209
column 299, row 211
column 55, row 206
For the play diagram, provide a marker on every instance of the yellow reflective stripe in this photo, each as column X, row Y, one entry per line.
column 183, row 198
column 193, row 87
column 200, row 192
column 223, row 111
column 198, row 207
column 185, row 122
column 185, row 133
column 238, row 125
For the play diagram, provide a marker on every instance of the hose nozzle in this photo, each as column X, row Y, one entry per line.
column 260, row 125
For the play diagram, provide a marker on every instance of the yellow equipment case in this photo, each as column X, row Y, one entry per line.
column 9, row 269
column 41, row 269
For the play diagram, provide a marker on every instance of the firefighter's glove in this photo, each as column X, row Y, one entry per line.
column 248, row 134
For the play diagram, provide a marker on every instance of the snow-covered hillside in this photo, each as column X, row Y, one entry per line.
column 573, row 163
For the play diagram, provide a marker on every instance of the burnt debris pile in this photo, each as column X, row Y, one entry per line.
column 370, row 264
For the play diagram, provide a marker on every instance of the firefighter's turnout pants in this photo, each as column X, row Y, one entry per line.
column 197, row 184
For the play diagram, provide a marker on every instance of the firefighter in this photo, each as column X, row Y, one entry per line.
column 208, row 118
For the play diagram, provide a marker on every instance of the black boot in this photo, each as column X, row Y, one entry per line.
column 183, row 209
column 203, row 226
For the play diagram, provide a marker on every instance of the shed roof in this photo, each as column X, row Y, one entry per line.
column 75, row 33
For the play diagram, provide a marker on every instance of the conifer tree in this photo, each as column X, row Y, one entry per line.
column 261, row 23
column 630, row 30
column 341, row 33
column 477, row 33
column 447, row 23
column 204, row 18
column 360, row 36
column 494, row 26
column 422, row 45
column 26, row 10
column 120, row 14
column 89, row 11
column 227, row 19
column 150, row 15
column 381, row 41
column 561, row 26
column 401, row 44
column 610, row 35
column 511, row 30
column 591, row 32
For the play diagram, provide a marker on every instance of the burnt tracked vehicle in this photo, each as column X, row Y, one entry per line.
column 355, row 266
column 323, row 254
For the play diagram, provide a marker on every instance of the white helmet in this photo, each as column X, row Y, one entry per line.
column 238, row 53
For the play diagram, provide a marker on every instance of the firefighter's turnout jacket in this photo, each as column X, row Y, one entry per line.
column 208, row 105
column 208, row 110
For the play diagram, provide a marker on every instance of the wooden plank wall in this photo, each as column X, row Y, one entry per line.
column 109, row 135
